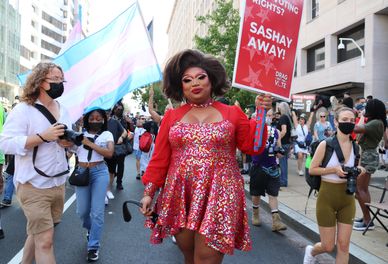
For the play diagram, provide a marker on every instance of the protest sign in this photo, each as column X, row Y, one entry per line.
column 267, row 45
column 303, row 102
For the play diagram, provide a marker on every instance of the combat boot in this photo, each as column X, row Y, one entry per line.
column 255, row 217
column 277, row 224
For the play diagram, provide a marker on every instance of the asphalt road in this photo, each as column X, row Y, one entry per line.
column 129, row 242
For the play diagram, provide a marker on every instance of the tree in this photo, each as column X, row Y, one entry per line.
column 221, row 41
column 142, row 96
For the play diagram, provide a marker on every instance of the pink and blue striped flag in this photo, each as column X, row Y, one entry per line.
column 74, row 37
column 102, row 68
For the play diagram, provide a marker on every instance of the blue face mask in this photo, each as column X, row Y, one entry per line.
column 56, row 90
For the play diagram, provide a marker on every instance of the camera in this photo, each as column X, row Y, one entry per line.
column 70, row 135
column 273, row 151
column 351, row 178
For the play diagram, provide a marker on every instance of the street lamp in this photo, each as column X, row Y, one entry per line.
column 342, row 46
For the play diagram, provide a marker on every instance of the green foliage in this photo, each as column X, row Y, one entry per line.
column 221, row 41
column 142, row 95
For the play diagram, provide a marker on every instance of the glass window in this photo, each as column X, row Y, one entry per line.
column 314, row 8
column 32, row 39
column 52, row 34
column 50, row 47
column 52, row 20
column 351, row 51
column 316, row 57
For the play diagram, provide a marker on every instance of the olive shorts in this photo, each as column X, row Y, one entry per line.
column 334, row 205
column 370, row 160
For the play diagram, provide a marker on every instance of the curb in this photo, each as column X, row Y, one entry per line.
column 309, row 229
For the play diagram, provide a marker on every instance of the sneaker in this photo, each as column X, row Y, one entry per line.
column 6, row 203
column 106, row 200
column 92, row 255
column 138, row 177
column 361, row 226
column 308, row 258
column 110, row 195
column 301, row 173
column 358, row 220
column 119, row 187
column 1, row 233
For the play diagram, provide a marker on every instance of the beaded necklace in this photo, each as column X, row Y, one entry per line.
column 202, row 105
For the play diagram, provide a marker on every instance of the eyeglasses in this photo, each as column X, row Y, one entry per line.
column 55, row 79
column 323, row 116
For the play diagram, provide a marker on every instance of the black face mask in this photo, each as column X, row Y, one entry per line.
column 95, row 126
column 56, row 90
column 346, row 127
column 119, row 113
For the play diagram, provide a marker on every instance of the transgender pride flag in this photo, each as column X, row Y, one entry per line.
column 107, row 65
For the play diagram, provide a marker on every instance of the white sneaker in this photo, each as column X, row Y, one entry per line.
column 301, row 173
column 106, row 200
column 308, row 258
column 110, row 195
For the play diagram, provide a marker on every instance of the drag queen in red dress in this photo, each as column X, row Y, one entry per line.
column 201, row 200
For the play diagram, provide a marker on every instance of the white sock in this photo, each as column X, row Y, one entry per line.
column 246, row 166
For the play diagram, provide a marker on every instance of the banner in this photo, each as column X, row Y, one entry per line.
column 266, row 47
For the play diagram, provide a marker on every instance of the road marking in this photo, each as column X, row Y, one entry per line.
column 18, row 257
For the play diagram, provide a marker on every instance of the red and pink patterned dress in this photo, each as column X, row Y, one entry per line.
column 202, row 189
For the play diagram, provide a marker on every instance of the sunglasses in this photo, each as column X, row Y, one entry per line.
column 323, row 116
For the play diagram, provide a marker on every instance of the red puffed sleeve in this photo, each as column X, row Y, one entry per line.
column 245, row 132
column 156, row 172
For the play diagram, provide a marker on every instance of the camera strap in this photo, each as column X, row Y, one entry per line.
column 340, row 155
column 52, row 120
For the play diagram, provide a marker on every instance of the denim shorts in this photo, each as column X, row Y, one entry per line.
column 137, row 153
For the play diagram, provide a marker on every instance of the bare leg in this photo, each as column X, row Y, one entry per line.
column 185, row 242
column 44, row 250
column 363, row 195
column 273, row 202
column 343, row 241
column 204, row 254
column 29, row 250
column 138, row 166
column 256, row 200
column 327, row 243
column 300, row 161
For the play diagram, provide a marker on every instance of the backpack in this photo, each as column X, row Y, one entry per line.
column 332, row 145
column 145, row 142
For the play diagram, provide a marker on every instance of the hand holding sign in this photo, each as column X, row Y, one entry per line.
column 263, row 103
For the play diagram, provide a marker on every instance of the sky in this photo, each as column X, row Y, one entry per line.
column 102, row 12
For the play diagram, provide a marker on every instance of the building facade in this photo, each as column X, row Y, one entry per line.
column 9, row 50
column 183, row 25
column 45, row 24
column 321, row 67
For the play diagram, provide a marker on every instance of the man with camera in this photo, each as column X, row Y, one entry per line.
column 265, row 176
column 41, row 166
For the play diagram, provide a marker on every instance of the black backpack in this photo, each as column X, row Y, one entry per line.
column 332, row 145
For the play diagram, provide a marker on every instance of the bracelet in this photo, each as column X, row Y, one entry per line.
column 42, row 138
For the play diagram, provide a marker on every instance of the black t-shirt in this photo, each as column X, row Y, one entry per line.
column 115, row 128
column 285, row 120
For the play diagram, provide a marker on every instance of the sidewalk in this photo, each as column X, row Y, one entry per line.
column 370, row 248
